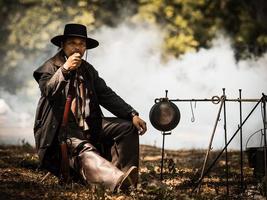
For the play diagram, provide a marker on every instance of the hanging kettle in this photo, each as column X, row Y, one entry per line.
column 164, row 115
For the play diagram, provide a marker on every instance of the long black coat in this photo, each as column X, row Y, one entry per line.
column 54, row 89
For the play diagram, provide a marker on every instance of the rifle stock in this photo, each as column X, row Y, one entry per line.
column 64, row 164
column 64, row 168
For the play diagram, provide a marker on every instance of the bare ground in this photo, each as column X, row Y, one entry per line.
column 20, row 177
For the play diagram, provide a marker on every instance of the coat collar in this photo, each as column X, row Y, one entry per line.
column 59, row 59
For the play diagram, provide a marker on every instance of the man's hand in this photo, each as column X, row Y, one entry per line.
column 73, row 62
column 139, row 124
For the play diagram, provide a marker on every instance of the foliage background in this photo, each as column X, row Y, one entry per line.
column 187, row 25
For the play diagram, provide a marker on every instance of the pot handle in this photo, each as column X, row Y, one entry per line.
column 253, row 135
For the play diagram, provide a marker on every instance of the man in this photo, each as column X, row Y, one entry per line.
column 101, row 150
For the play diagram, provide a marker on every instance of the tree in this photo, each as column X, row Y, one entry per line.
column 27, row 25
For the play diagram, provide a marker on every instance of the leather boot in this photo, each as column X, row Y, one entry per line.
column 130, row 178
column 96, row 169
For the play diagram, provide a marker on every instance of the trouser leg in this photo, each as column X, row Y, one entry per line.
column 123, row 142
column 91, row 166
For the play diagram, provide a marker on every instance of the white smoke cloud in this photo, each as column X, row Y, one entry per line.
column 129, row 59
column 16, row 117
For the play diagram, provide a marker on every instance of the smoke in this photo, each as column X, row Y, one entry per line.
column 16, row 116
column 129, row 59
column 17, row 109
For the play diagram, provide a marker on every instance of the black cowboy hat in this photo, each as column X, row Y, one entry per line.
column 75, row 30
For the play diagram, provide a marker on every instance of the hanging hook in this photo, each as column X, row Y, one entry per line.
column 193, row 116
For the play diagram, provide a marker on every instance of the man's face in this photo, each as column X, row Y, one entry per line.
column 74, row 45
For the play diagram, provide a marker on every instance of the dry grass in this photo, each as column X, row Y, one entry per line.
column 20, row 177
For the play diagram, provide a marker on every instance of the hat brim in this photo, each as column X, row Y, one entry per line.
column 90, row 43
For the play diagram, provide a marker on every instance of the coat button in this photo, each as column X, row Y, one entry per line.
column 53, row 126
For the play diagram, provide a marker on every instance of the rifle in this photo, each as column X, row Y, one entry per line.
column 64, row 164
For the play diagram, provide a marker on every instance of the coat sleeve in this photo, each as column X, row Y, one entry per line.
column 51, row 80
column 110, row 100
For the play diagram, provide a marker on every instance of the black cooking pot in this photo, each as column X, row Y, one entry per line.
column 164, row 115
column 256, row 160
